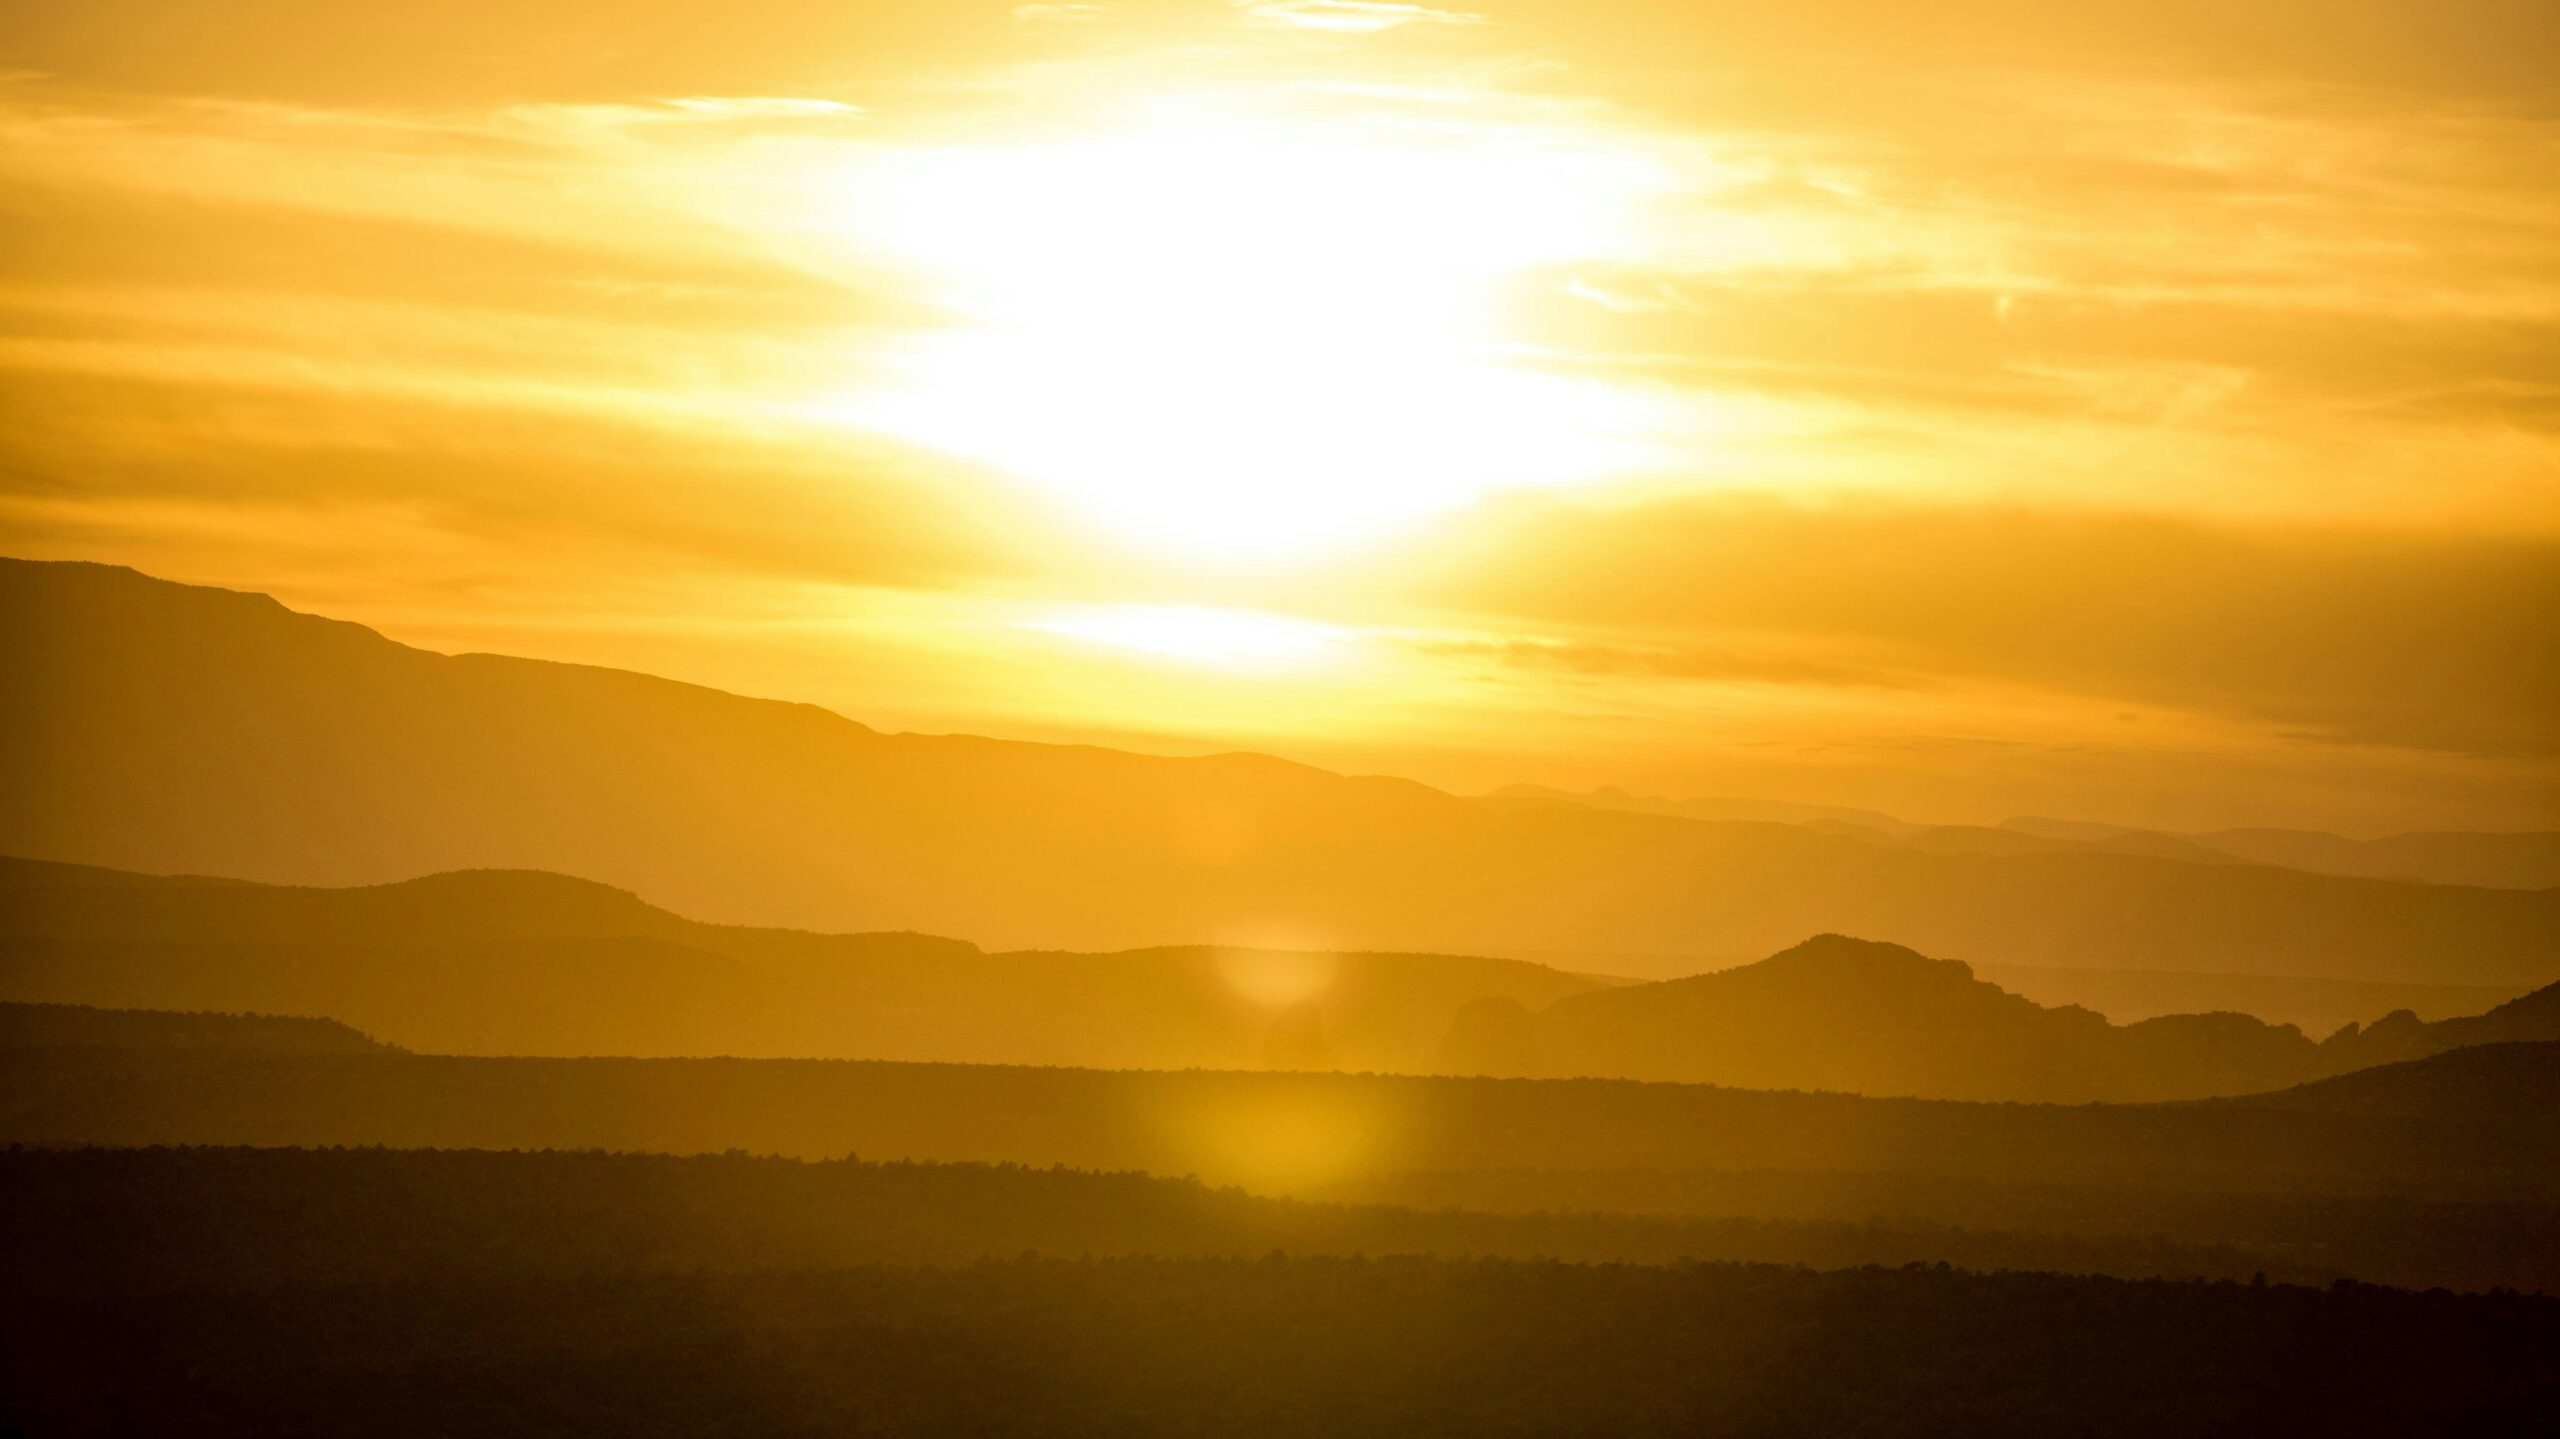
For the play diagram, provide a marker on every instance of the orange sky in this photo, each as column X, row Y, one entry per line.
column 2142, row 412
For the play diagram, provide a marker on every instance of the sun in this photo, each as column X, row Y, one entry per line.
column 1244, row 335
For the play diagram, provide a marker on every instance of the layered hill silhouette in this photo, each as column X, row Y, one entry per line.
column 169, row 728
column 512, row 962
column 525, row 963
column 2523, row 860
column 1278, row 1347
column 157, row 1216
column 73, row 1026
column 2477, row 1122
column 1863, row 1017
column 2434, row 1171
column 2317, row 1006
column 2527, row 860
column 229, row 1276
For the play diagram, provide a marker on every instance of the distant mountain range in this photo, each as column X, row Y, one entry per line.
column 73, row 1026
column 168, row 728
column 513, row 962
column 2524, row 860
column 1861, row 1017
column 2471, row 1124
column 493, row 963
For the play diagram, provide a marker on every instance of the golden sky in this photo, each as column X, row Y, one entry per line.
column 2132, row 411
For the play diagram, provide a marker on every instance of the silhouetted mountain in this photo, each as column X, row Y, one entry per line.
column 2530, row 1019
column 58, row 1025
column 168, row 728
column 520, row 963
column 1978, row 839
column 2513, row 1078
column 1712, row 809
column 2426, row 1174
column 2315, row 1006
column 2528, row 860
column 1861, row 1017
column 1276, row 1132
column 162, row 1218
column 512, row 962
column 1866, row 1018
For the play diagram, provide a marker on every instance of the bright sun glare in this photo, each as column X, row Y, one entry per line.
column 1244, row 337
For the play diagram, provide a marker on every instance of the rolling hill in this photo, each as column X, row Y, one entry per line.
column 493, row 963
column 510, row 962
column 2440, row 1171
column 59, row 1026
column 1863, row 1017
column 196, row 1215
column 168, row 728
column 1290, row 1131
column 2519, row 860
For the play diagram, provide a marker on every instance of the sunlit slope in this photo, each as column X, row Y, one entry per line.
column 169, row 728
column 511, row 962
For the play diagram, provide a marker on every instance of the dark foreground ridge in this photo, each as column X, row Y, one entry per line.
column 2473, row 1122
column 1278, row 1347
column 145, row 1220
column 2443, row 1171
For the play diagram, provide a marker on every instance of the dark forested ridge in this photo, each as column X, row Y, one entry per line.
column 163, row 1218
column 525, row 963
column 1279, row 1347
column 2444, row 1171
column 78, row 1026
column 173, row 728
column 1283, row 1130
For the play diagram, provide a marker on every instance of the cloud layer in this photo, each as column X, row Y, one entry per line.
column 2070, row 390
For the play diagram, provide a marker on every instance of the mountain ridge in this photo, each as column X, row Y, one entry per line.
column 496, row 962
column 2519, row 859
column 162, row 730
column 1836, row 1013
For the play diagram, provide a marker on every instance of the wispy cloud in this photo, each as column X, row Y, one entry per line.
column 758, row 107
column 2354, row 635
column 1350, row 16
column 484, row 300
